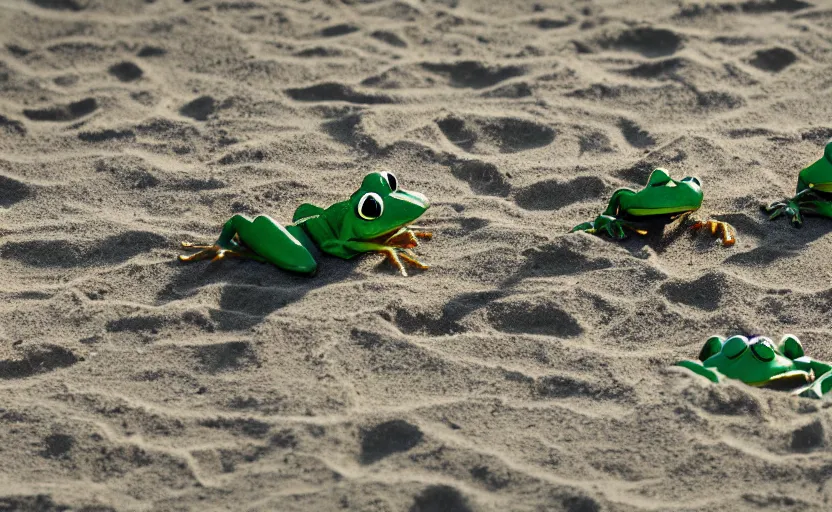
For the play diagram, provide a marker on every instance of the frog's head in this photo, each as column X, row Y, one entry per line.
column 380, row 207
column 664, row 195
column 756, row 361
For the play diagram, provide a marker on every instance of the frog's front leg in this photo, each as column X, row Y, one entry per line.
column 407, row 238
column 791, row 207
column 226, row 245
column 721, row 229
column 394, row 254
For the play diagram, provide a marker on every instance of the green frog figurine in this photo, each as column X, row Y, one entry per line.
column 813, row 195
column 373, row 219
column 758, row 362
column 662, row 201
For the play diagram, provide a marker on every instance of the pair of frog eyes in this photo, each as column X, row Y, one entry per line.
column 761, row 348
column 370, row 206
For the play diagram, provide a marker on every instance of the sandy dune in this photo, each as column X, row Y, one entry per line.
column 527, row 370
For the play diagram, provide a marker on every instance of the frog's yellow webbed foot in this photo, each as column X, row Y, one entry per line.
column 215, row 252
column 718, row 228
column 396, row 255
column 411, row 259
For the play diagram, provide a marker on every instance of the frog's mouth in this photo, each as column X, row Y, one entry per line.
column 786, row 381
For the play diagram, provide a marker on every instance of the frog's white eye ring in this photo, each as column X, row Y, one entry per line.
column 391, row 180
column 370, row 207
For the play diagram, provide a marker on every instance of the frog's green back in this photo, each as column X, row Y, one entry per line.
column 323, row 226
column 662, row 195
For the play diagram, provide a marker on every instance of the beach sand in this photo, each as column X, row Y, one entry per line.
column 528, row 369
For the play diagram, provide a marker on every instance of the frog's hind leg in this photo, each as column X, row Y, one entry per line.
column 285, row 247
column 612, row 226
column 718, row 228
column 225, row 246
column 261, row 239
column 188, row 246
column 215, row 252
column 203, row 252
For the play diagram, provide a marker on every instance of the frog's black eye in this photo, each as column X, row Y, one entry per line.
column 391, row 180
column 763, row 350
column 695, row 180
column 370, row 206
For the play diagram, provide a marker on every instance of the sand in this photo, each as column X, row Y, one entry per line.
column 528, row 369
